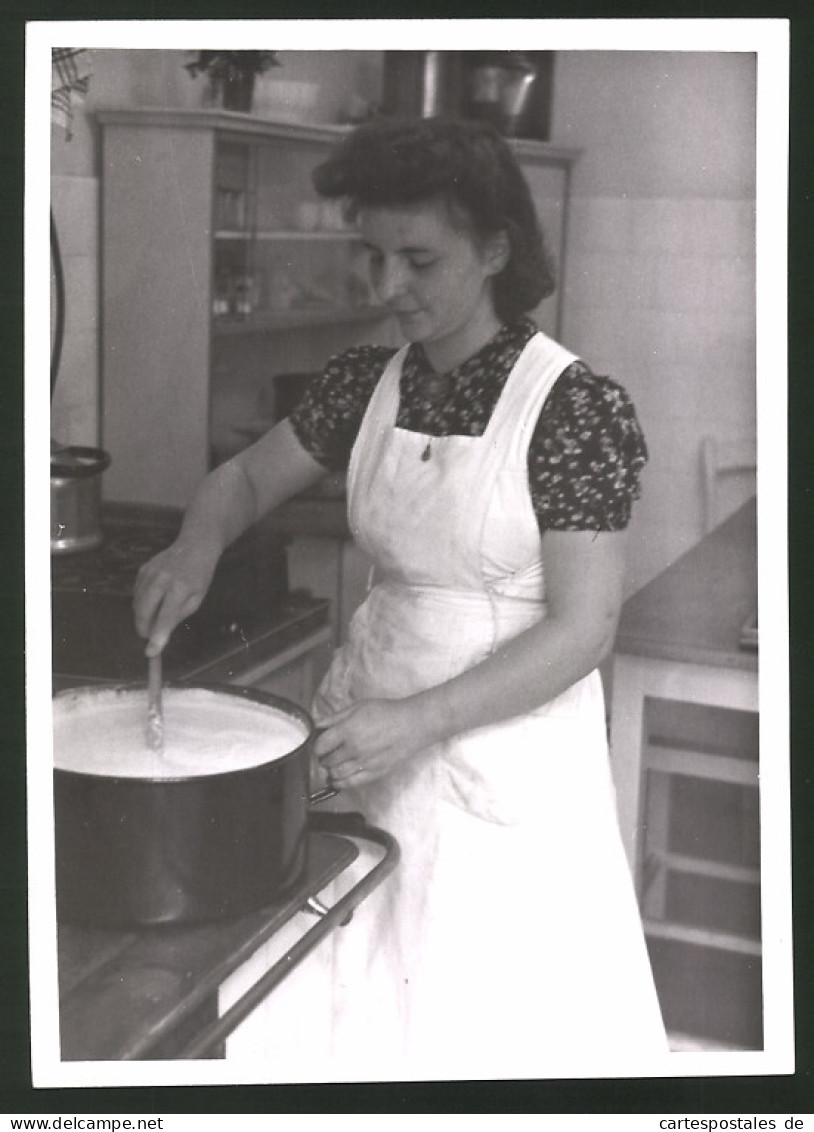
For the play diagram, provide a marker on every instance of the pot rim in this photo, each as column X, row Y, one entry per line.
column 254, row 695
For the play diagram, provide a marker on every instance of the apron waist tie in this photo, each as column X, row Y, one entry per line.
column 481, row 602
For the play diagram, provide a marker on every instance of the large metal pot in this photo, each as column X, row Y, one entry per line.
column 134, row 850
column 76, row 498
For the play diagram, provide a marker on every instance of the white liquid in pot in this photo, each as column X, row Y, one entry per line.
column 104, row 732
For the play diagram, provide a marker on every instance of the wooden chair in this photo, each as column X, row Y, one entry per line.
column 729, row 470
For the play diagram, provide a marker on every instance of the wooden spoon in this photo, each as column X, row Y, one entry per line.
column 155, row 714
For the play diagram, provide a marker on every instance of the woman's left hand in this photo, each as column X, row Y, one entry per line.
column 367, row 740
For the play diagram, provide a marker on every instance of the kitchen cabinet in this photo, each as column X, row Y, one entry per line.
column 220, row 268
column 684, row 743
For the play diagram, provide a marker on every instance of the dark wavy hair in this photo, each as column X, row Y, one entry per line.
column 391, row 162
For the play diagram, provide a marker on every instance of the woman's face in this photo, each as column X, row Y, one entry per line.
column 434, row 276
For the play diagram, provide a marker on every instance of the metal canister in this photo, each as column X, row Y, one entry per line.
column 419, row 83
column 76, row 498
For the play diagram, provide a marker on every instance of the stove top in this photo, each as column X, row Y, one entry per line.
column 249, row 602
column 110, row 568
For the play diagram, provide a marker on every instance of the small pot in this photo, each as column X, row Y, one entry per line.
column 76, row 498
column 185, row 848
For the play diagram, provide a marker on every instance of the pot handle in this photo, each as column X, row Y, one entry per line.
column 327, row 791
column 322, row 795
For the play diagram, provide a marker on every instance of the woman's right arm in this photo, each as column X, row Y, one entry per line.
column 172, row 585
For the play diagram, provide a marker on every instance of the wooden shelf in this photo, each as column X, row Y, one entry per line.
column 293, row 235
column 296, row 318
column 230, row 122
column 701, row 937
column 251, row 126
column 702, row 867
column 700, row 764
column 530, row 149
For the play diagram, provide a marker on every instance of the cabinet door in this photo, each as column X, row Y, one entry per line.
column 283, row 258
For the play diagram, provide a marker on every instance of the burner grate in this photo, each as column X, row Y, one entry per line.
column 111, row 567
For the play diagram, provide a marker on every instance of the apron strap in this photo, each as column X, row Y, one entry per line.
column 380, row 414
column 512, row 424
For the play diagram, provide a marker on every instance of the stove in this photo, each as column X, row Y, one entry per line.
column 249, row 606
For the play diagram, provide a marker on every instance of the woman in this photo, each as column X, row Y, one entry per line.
column 490, row 477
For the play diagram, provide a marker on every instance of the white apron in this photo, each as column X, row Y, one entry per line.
column 508, row 941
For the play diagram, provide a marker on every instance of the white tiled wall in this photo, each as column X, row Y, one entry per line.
column 660, row 295
column 660, row 278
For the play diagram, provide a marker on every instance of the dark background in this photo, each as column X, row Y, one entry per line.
column 732, row 1096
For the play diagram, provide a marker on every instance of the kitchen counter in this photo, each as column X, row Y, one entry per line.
column 685, row 746
column 688, row 636
column 695, row 611
column 152, row 993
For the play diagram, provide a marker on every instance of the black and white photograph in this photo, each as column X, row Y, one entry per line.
column 407, row 672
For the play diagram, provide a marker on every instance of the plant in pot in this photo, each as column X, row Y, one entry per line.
column 232, row 74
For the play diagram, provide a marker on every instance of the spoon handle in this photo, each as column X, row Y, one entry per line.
column 155, row 715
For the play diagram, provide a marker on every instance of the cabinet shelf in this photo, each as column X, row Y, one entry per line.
column 250, row 127
column 701, row 937
column 700, row 764
column 700, row 866
column 285, row 235
column 297, row 317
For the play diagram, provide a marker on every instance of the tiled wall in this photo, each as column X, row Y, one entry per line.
column 660, row 280
column 660, row 295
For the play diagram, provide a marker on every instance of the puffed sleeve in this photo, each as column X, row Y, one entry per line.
column 327, row 419
column 586, row 455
